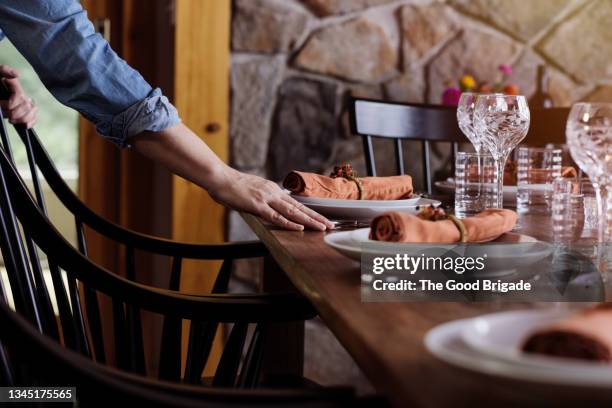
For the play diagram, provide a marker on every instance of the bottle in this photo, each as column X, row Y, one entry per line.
column 541, row 98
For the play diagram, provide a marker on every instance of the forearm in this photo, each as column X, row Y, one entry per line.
column 183, row 153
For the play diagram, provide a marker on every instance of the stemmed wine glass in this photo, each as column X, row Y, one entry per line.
column 465, row 118
column 589, row 136
column 502, row 122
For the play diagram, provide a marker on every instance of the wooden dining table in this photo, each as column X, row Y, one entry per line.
column 386, row 338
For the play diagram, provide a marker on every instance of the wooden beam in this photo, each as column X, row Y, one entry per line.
column 201, row 95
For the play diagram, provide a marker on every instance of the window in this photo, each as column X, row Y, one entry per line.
column 57, row 124
column 57, row 128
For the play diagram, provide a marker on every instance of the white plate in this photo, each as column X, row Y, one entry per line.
column 362, row 209
column 501, row 335
column 449, row 186
column 446, row 343
column 501, row 259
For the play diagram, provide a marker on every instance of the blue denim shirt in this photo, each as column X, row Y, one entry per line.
column 82, row 71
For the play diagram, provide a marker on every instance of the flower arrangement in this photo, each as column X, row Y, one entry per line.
column 467, row 83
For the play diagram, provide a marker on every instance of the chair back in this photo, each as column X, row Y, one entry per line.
column 433, row 123
column 78, row 306
column 20, row 212
column 399, row 121
column 48, row 363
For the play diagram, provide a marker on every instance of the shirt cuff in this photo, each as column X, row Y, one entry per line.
column 154, row 113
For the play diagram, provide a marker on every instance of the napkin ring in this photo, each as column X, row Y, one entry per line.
column 463, row 236
column 346, row 171
column 432, row 213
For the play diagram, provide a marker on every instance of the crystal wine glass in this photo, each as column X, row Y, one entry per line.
column 465, row 118
column 589, row 137
column 502, row 122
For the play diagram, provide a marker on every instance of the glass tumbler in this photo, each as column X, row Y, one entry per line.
column 568, row 211
column 475, row 183
column 537, row 168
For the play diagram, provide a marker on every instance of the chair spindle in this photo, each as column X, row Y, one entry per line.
column 170, row 353
column 399, row 156
column 227, row 370
column 92, row 307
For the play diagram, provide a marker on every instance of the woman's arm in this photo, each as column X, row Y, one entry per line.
column 185, row 154
column 82, row 71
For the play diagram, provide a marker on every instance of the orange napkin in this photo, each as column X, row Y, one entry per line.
column 535, row 175
column 402, row 227
column 374, row 188
column 586, row 335
column 568, row 172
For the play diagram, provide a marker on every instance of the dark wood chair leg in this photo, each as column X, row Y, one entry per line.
column 283, row 345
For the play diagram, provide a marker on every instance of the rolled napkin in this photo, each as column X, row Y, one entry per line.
column 374, row 188
column 535, row 175
column 542, row 176
column 568, row 172
column 586, row 335
column 402, row 227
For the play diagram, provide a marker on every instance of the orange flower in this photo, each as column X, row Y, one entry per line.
column 511, row 89
column 485, row 88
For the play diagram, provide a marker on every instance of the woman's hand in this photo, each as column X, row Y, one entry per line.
column 187, row 155
column 246, row 192
column 19, row 108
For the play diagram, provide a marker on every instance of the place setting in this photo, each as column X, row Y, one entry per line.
column 344, row 197
column 562, row 344
column 557, row 346
column 554, row 345
column 381, row 215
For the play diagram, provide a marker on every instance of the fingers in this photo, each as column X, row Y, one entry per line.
column 309, row 212
column 270, row 214
column 26, row 113
column 19, row 111
column 293, row 213
column 31, row 118
column 8, row 72
column 17, row 92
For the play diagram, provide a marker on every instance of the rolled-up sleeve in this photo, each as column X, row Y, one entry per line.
column 82, row 71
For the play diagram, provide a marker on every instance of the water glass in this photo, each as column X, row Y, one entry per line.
column 537, row 169
column 589, row 137
column 568, row 211
column 465, row 119
column 475, row 183
column 574, row 210
column 502, row 122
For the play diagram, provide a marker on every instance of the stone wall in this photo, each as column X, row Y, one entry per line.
column 294, row 62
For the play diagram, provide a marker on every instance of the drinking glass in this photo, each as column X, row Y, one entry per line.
column 568, row 212
column 465, row 118
column 474, row 183
column 502, row 122
column 537, row 169
column 589, row 136
column 574, row 210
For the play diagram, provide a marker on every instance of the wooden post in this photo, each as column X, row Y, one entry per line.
column 201, row 94
column 284, row 342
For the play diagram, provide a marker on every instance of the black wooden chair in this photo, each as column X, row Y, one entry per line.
column 18, row 209
column 433, row 123
column 28, row 357
column 80, row 322
column 45, row 363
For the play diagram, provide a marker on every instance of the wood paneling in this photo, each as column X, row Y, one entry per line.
column 201, row 92
column 122, row 185
column 190, row 62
